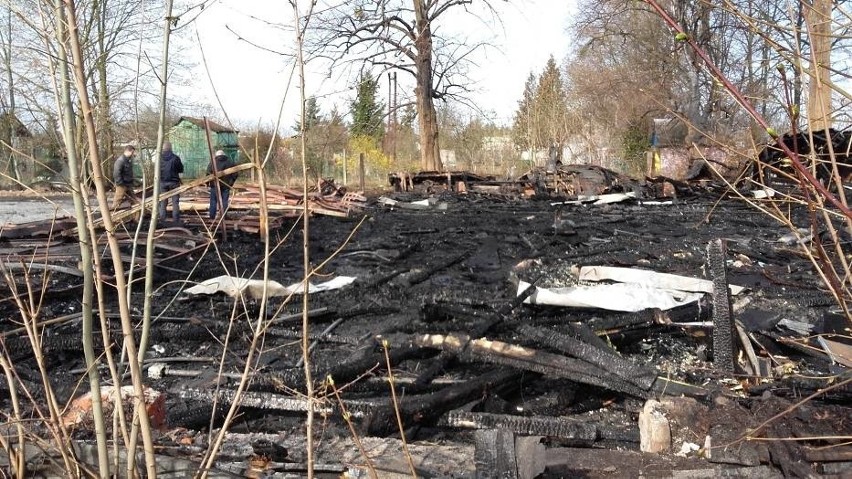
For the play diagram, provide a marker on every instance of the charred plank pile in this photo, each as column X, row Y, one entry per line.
column 578, row 182
column 817, row 147
column 521, row 339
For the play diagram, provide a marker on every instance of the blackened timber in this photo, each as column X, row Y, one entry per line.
column 579, row 433
column 494, row 454
column 838, row 454
column 294, row 378
column 528, row 359
column 584, row 333
column 619, row 321
column 376, row 282
column 428, row 408
column 426, row 274
column 348, row 371
column 591, row 376
column 724, row 353
column 296, row 318
column 259, row 400
column 440, row 363
column 483, row 327
column 608, row 361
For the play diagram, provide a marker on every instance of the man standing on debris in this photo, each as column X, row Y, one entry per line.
column 170, row 169
column 122, row 176
column 222, row 162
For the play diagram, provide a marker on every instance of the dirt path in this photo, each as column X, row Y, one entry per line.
column 23, row 209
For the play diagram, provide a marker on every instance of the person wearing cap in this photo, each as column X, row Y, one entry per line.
column 170, row 169
column 222, row 162
column 122, row 176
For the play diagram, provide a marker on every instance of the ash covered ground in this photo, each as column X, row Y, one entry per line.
column 451, row 270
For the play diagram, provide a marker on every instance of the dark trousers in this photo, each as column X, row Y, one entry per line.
column 165, row 187
column 214, row 201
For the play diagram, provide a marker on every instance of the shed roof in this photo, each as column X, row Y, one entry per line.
column 199, row 122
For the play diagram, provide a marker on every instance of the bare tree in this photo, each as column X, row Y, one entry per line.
column 403, row 35
column 819, row 22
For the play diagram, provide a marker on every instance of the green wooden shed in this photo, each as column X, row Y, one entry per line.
column 189, row 141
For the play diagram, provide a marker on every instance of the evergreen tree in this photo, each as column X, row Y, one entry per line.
column 314, row 152
column 551, row 107
column 367, row 110
column 523, row 127
column 312, row 114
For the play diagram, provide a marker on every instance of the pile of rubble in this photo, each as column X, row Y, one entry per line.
column 575, row 181
column 522, row 339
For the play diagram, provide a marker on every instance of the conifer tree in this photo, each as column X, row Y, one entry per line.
column 523, row 127
column 313, row 115
column 551, row 108
column 367, row 110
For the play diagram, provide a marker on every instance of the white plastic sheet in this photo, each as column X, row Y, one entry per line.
column 253, row 288
column 627, row 297
column 650, row 278
column 635, row 289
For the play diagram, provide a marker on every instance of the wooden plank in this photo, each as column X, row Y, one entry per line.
column 495, row 454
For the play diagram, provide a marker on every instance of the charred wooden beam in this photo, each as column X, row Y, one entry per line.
column 259, row 400
column 528, row 359
column 585, row 333
column 296, row 318
column 504, row 311
column 828, row 455
column 606, row 360
column 428, row 408
column 586, row 462
column 421, row 276
column 581, row 433
column 724, row 352
column 495, row 454
column 341, row 372
column 622, row 320
column 403, row 351
column 480, row 329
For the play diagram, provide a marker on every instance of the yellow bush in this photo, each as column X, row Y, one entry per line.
column 376, row 163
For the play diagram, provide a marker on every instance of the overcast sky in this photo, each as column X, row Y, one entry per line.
column 237, row 35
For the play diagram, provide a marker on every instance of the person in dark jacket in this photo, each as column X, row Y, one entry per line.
column 223, row 162
column 122, row 176
column 170, row 169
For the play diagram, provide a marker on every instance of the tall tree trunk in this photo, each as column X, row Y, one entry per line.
column 121, row 285
column 430, row 157
column 819, row 92
column 11, row 121
column 105, row 133
column 78, row 191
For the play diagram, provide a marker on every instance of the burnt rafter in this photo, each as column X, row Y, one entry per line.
column 818, row 145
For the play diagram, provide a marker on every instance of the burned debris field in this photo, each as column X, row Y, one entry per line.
column 489, row 379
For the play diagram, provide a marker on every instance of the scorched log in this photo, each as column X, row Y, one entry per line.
column 428, row 408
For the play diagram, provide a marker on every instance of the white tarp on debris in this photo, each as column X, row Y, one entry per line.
column 635, row 289
column 627, row 297
column 335, row 283
column 650, row 278
column 253, row 288
column 598, row 199
column 607, row 198
column 427, row 204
